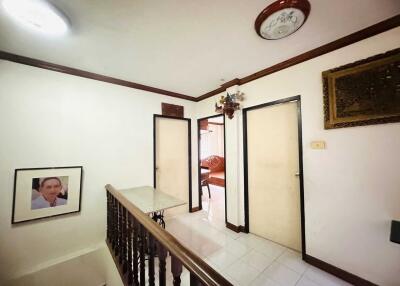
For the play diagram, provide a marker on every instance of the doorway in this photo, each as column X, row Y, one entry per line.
column 172, row 159
column 273, row 175
column 211, row 166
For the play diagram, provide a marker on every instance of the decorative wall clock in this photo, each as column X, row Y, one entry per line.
column 282, row 18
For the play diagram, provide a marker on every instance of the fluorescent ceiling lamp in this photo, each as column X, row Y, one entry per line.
column 38, row 14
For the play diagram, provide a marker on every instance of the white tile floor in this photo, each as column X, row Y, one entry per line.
column 244, row 259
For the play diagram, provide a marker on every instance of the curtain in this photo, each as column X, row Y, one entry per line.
column 212, row 141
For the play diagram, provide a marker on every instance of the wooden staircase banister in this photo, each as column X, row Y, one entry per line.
column 204, row 273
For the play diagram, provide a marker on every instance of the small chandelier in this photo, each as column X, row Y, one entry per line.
column 229, row 103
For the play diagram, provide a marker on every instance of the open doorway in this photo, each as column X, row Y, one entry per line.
column 211, row 164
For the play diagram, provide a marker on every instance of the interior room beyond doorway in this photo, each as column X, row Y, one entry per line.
column 212, row 196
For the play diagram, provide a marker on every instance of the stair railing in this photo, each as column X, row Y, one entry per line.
column 136, row 241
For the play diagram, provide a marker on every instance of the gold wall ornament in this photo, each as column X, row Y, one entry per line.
column 364, row 92
column 229, row 103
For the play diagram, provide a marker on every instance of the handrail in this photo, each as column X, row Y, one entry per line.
column 196, row 266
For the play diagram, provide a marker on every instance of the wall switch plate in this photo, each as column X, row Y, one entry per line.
column 318, row 145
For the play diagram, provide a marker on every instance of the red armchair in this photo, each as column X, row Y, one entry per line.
column 216, row 166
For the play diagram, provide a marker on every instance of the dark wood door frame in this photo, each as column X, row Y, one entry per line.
column 189, row 121
column 301, row 176
column 199, row 160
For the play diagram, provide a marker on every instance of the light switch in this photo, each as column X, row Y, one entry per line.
column 318, row 145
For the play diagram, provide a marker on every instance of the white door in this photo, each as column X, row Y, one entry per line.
column 273, row 167
column 172, row 159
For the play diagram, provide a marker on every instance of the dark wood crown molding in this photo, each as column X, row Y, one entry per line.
column 370, row 31
column 233, row 82
column 210, row 94
column 81, row 73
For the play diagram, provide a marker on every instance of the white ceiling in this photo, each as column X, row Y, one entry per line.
column 183, row 46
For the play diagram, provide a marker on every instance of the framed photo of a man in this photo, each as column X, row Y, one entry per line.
column 46, row 192
column 49, row 192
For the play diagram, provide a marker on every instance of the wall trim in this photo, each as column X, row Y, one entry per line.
column 235, row 228
column 365, row 33
column 342, row 274
column 195, row 209
column 85, row 74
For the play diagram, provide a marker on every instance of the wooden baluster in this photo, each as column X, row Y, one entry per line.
column 110, row 212
column 162, row 254
column 121, row 235
column 108, row 216
column 135, row 252
column 143, row 245
column 116, row 226
column 194, row 281
column 124, row 241
column 113, row 223
column 118, row 249
column 151, row 260
column 129, row 247
column 115, row 235
column 176, row 269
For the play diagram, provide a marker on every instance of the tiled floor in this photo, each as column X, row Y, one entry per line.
column 244, row 259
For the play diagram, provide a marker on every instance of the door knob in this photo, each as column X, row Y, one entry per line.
column 297, row 174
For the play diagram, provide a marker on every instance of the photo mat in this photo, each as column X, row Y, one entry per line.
column 46, row 192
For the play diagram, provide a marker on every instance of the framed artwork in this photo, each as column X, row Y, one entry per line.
column 46, row 192
column 363, row 93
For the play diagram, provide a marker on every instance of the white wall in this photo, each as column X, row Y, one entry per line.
column 212, row 141
column 52, row 119
column 352, row 189
column 94, row 268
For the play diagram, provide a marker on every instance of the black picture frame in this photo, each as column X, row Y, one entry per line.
column 75, row 207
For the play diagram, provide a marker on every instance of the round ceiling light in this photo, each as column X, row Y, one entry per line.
column 282, row 18
column 37, row 14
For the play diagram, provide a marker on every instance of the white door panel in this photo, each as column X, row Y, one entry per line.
column 172, row 157
column 273, row 162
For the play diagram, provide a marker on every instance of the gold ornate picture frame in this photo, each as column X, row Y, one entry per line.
column 364, row 92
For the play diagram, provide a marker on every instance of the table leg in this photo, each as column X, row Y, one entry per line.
column 159, row 218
